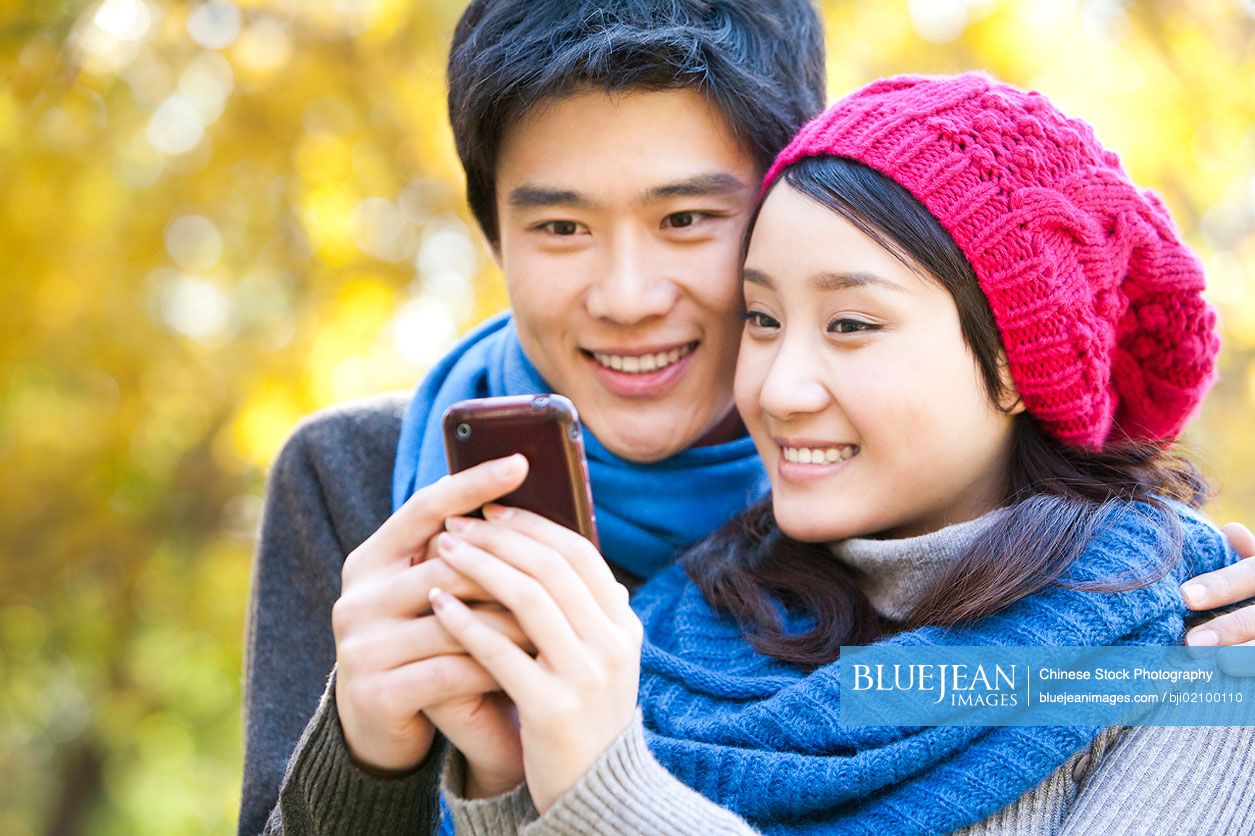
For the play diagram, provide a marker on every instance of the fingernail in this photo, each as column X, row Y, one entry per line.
column 457, row 524
column 439, row 598
column 1202, row 638
column 497, row 513
column 507, row 467
column 448, row 544
column 1194, row 593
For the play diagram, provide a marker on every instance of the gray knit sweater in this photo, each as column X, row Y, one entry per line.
column 329, row 490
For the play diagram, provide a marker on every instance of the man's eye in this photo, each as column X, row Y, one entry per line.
column 561, row 227
column 680, row 220
column 851, row 326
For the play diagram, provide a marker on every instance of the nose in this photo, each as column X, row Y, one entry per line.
column 632, row 287
column 794, row 385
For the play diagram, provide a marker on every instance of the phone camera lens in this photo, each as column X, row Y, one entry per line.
column 463, row 431
column 540, row 401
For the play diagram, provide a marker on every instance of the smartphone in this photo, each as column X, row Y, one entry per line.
column 545, row 429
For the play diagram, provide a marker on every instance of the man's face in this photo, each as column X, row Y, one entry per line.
column 621, row 221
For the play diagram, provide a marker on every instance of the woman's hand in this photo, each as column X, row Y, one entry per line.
column 390, row 663
column 1231, row 585
column 579, row 693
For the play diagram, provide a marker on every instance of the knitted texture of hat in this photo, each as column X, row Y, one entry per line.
column 1097, row 300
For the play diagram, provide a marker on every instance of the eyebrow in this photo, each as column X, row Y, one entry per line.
column 529, row 197
column 827, row 281
column 700, row 185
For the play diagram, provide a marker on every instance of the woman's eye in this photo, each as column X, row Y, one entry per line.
column 561, row 228
column 850, row 326
column 758, row 319
column 680, row 220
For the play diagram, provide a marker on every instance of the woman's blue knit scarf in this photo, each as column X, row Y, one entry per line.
column 646, row 513
column 763, row 739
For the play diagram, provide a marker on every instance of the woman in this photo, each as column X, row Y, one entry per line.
column 947, row 277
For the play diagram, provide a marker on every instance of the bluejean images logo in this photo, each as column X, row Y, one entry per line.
column 964, row 686
column 890, row 685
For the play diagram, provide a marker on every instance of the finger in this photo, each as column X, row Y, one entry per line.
column 398, row 643
column 408, row 592
column 1230, row 585
column 583, row 556
column 546, row 566
column 423, row 514
column 537, row 613
column 383, row 598
column 1240, row 538
column 1232, row 628
column 520, row 676
column 413, row 687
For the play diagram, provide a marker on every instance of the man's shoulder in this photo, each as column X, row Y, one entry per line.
column 357, row 437
column 368, row 421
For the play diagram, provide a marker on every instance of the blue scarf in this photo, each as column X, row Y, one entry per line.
column 762, row 738
column 646, row 513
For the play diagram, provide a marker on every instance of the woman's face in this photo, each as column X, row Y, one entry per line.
column 865, row 403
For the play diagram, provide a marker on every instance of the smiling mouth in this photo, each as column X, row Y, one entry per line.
column 819, row 455
column 642, row 363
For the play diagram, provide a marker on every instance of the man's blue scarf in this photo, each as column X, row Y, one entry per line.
column 646, row 513
column 763, row 739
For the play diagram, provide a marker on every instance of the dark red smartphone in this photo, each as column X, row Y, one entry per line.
column 545, row 429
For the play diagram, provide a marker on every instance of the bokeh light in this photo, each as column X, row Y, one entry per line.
column 221, row 215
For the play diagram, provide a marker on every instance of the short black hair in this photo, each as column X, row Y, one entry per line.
column 760, row 62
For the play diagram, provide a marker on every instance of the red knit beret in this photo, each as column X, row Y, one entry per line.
column 1097, row 300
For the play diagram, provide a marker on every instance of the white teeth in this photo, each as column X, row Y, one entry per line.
column 819, row 455
column 641, row 363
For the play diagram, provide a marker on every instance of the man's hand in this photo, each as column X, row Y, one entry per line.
column 1231, row 585
column 391, row 664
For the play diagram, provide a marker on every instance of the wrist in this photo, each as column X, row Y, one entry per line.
column 483, row 782
column 383, row 761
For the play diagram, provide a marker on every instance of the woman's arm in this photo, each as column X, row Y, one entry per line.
column 626, row 790
column 587, row 765
column 1169, row 779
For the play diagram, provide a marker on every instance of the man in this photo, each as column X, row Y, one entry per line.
column 613, row 150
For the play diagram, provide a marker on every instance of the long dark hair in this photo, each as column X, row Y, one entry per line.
column 1059, row 497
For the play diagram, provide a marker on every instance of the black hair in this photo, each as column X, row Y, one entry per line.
column 760, row 63
column 1059, row 497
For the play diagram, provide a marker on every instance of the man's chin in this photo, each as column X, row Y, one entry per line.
column 643, row 447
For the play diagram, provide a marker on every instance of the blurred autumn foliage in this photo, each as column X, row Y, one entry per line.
column 220, row 216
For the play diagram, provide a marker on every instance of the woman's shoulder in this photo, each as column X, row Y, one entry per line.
column 1134, row 537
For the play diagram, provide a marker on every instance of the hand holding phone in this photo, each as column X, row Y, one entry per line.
column 546, row 430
